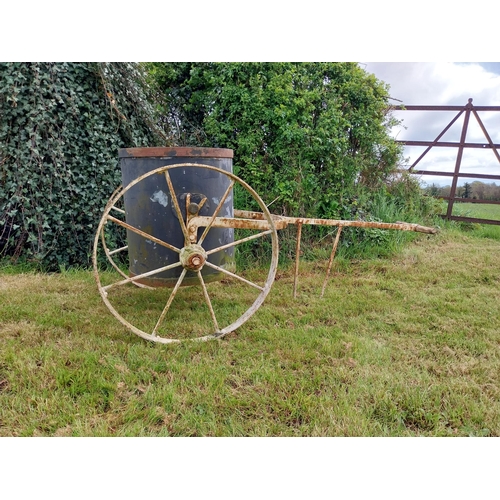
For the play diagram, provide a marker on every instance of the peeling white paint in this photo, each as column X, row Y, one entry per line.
column 215, row 200
column 160, row 197
column 149, row 242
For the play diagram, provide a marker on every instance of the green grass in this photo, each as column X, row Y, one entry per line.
column 480, row 211
column 407, row 345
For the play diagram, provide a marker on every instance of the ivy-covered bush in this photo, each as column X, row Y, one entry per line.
column 61, row 125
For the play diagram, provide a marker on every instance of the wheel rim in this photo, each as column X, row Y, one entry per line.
column 217, row 305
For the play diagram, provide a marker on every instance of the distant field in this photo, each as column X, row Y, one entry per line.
column 478, row 210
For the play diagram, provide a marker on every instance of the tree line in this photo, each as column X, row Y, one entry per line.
column 476, row 190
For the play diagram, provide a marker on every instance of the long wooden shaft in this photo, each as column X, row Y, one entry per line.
column 402, row 226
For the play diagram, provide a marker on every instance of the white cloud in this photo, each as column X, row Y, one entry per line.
column 444, row 83
column 439, row 83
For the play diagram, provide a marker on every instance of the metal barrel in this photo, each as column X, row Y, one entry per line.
column 149, row 207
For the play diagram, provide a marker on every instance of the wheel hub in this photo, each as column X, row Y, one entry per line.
column 193, row 257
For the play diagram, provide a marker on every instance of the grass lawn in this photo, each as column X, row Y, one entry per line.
column 401, row 346
column 480, row 211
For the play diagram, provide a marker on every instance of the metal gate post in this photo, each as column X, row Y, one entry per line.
column 454, row 183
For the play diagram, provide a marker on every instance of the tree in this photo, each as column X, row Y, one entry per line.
column 433, row 190
column 467, row 191
column 305, row 135
column 61, row 125
column 478, row 189
column 481, row 191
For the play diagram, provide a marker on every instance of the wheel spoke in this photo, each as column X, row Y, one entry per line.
column 208, row 301
column 169, row 302
column 109, row 254
column 142, row 233
column 243, row 240
column 119, row 210
column 115, row 196
column 216, row 212
column 113, row 263
column 118, row 250
column 225, row 271
column 176, row 206
column 140, row 276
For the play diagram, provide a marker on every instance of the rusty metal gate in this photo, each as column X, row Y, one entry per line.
column 466, row 111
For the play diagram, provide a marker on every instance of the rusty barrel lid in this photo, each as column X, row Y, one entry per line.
column 162, row 152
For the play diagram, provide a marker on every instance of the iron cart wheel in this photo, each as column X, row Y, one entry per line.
column 179, row 311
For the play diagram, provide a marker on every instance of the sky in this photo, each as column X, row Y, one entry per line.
column 444, row 83
column 215, row 32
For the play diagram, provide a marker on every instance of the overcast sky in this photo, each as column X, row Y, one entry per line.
column 444, row 84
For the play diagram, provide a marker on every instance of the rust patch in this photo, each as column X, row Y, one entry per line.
column 186, row 152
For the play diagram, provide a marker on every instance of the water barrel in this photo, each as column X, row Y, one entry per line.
column 149, row 207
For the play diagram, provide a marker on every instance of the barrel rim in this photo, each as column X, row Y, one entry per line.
column 185, row 152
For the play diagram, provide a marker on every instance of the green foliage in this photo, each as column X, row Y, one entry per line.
column 399, row 200
column 305, row 135
column 310, row 138
column 61, row 125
